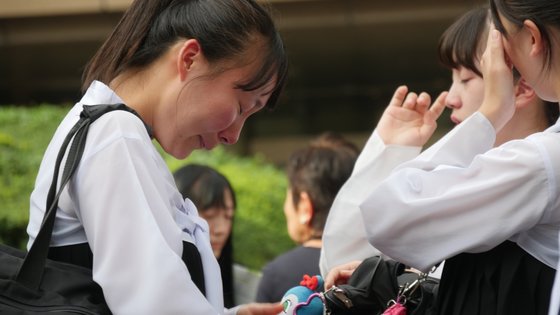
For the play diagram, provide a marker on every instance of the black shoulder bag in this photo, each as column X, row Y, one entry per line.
column 32, row 284
column 378, row 285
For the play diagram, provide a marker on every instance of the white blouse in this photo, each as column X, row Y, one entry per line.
column 344, row 235
column 123, row 201
column 555, row 297
column 460, row 195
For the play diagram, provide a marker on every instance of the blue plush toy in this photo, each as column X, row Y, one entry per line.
column 304, row 299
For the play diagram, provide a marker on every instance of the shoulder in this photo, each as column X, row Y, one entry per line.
column 281, row 261
column 296, row 258
column 121, row 122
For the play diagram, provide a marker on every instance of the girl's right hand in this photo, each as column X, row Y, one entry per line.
column 499, row 98
column 409, row 119
column 340, row 274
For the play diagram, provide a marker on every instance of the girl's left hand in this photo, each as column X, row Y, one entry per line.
column 498, row 105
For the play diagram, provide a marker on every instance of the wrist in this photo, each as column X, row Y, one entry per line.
column 498, row 117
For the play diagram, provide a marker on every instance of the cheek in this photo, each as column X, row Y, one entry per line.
column 220, row 119
column 210, row 117
column 474, row 95
column 196, row 112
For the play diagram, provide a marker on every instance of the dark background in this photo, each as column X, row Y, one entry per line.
column 347, row 57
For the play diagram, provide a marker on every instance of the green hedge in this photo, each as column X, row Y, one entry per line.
column 24, row 136
column 260, row 228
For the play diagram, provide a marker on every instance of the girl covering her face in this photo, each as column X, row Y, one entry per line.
column 461, row 197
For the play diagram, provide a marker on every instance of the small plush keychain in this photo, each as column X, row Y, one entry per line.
column 304, row 299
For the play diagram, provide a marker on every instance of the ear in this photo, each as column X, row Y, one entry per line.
column 304, row 208
column 524, row 94
column 189, row 53
column 537, row 44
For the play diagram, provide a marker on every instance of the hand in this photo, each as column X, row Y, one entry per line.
column 260, row 309
column 409, row 119
column 341, row 274
column 499, row 98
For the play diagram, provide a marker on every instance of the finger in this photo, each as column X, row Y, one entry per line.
column 398, row 96
column 410, row 101
column 344, row 276
column 272, row 308
column 260, row 309
column 337, row 276
column 439, row 105
column 423, row 102
column 496, row 45
column 331, row 278
column 494, row 51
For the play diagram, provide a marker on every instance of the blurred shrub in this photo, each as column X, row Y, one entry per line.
column 24, row 136
column 260, row 228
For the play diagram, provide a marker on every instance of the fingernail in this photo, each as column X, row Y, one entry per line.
column 495, row 34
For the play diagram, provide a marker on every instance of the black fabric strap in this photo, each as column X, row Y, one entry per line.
column 30, row 273
column 76, row 254
column 191, row 258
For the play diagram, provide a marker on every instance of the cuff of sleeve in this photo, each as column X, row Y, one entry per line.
column 233, row 310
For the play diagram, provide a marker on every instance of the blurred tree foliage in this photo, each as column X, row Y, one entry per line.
column 24, row 136
column 260, row 228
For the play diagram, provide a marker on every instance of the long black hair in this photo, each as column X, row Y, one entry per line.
column 225, row 30
column 461, row 44
column 545, row 14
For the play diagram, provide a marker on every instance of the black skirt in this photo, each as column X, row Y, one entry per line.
column 503, row 281
column 81, row 255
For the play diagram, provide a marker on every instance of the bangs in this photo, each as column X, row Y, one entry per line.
column 460, row 45
column 273, row 66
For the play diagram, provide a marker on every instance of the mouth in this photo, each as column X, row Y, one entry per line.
column 207, row 145
column 455, row 120
column 201, row 144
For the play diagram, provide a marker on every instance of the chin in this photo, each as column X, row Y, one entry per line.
column 180, row 154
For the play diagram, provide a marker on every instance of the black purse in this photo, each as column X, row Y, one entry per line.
column 377, row 285
column 32, row 284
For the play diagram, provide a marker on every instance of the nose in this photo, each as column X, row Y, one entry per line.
column 453, row 100
column 220, row 226
column 232, row 133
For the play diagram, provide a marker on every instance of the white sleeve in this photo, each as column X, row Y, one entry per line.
column 453, row 198
column 554, row 308
column 136, row 244
column 344, row 236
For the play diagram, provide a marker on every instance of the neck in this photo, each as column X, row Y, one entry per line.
column 314, row 243
column 132, row 89
column 524, row 122
column 141, row 89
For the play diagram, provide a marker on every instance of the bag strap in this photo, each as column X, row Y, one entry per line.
column 30, row 273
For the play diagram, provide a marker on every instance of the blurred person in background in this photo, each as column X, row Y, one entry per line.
column 315, row 174
column 215, row 201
